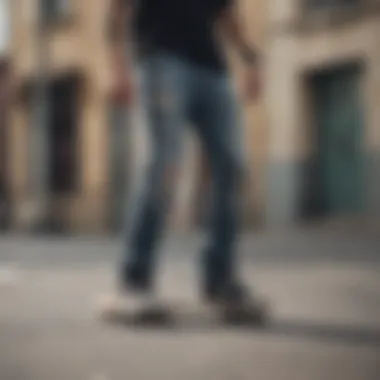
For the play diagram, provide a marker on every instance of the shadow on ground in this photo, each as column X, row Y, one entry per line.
column 350, row 335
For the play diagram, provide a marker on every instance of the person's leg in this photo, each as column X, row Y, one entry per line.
column 164, row 102
column 220, row 130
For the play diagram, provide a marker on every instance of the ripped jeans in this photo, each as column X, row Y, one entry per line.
column 175, row 94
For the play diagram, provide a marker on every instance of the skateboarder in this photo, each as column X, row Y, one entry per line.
column 179, row 48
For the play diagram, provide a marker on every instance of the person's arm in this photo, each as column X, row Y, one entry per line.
column 230, row 26
column 120, row 34
column 120, row 26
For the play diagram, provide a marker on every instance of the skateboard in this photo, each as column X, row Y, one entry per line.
column 177, row 312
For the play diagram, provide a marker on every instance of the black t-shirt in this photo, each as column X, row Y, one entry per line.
column 183, row 27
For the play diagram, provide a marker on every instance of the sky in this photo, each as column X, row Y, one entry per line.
column 4, row 26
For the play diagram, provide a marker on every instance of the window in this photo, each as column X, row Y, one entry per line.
column 330, row 3
column 317, row 14
column 55, row 10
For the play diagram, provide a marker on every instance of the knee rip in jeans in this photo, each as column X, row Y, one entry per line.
column 165, row 187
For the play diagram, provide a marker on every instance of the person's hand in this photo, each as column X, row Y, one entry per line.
column 251, row 84
column 123, row 85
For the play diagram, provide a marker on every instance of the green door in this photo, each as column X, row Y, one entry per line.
column 339, row 126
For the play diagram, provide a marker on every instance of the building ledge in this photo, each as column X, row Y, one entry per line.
column 66, row 21
column 331, row 17
column 336, row 16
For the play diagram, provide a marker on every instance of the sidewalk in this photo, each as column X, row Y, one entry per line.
column 324, row 290
column 284, row 247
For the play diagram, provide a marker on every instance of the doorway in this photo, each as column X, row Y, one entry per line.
column 63, row 136
column 335, row 171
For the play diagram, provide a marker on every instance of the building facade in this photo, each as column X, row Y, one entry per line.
column 81, row 159
column 71, row 58
column 323, row 102
column 4, row 107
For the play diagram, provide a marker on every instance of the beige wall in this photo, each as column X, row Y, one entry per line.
column 292, row 55
column 79, row 43
column 298, row 43
column 76, row 44
column 255, row 17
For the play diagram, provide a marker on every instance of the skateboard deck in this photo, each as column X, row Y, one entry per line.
column 175, row 312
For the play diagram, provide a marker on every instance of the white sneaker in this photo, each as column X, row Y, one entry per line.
column 109, row 305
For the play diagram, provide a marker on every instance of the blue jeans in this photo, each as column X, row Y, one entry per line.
column 176, row 93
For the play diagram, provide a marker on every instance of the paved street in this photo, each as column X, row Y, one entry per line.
column 324, row 289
